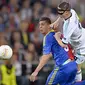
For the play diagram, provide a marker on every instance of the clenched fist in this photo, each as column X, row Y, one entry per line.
column 33, row 76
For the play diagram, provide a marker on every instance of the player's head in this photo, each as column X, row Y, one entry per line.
column 44, row 25
column 64, row 9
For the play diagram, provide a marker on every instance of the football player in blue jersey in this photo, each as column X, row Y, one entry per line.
column 65, row 70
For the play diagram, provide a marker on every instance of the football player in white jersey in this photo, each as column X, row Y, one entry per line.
column 73, row 33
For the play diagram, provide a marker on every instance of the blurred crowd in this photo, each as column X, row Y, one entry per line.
column 19, row 29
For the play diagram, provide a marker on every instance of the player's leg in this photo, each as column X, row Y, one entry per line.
column 71, row 78
column 79, row 74
column 62, row 75
column 79, row 60
column 51, row 77
column 72, row 70
column 57, row 77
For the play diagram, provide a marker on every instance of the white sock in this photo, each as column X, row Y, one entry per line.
column 78, row 76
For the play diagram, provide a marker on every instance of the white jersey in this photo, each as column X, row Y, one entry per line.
column 74, row 33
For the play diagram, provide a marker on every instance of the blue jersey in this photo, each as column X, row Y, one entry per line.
column 50, row 45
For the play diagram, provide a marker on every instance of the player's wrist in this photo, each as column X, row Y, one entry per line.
column 36, row 71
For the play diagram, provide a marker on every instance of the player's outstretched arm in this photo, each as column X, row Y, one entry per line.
column 44, row 59
column 55, row 24
column 58, row 38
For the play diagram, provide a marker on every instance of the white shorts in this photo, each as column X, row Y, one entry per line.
column 79, row 59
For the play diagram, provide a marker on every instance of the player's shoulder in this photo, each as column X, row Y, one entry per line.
column 74, row 16
column 73, row 11
column 50, row 35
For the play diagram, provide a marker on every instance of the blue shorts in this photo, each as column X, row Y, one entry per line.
column 80, row 83
column 63, row 75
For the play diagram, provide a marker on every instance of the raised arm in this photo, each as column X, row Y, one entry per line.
column 56, row 23
column 59, row 40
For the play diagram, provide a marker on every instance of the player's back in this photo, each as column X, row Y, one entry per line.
column 72, row 28
column 74, row 33
column 58, row 52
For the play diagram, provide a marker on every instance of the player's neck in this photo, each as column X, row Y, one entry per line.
column 48, row 31
column 69, row 15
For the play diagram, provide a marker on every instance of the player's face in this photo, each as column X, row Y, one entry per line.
column 65, row 14
column 43, row 26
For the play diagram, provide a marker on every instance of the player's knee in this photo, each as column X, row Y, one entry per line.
column 79, row 67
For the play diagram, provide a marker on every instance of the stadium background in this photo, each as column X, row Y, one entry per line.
column 19, row 28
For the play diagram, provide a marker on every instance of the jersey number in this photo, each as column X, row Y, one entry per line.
column 66, row 49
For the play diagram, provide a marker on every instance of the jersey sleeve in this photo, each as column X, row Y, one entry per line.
column 47, row 44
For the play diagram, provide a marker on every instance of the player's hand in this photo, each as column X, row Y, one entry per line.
column 55, row 26
column 57, row 35
column 33, row 76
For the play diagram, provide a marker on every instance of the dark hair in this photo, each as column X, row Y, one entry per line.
column 45, row 19
column 64, row 6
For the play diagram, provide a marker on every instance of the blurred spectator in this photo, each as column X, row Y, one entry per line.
column 31, row 26
column 83, row 23
column 53, row 4
column 18, row 69
column 37, row 34
column 37, row 12
column 15, row 37
column 18, row 17
column 73, row 3
column 7, row 72
column 24, row 34
column 48, row 13
column 17, row 65
column 13, row 5
column 20, row 64
column 3, row 39
column 12, row 24
column 4, row 13
column 4, row 2
column 29, row 59
column 82, row 7
column 37, row 38
column 26, row 11
column 31, row 49
column 18, row 50
column 2, row 26
column 44, row 2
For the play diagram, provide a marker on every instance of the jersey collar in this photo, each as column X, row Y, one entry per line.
column 49, row 32
column 69, row 17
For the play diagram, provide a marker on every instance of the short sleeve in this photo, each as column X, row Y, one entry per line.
column 47, row 44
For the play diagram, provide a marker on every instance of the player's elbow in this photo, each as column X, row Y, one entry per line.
column 46, row 57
